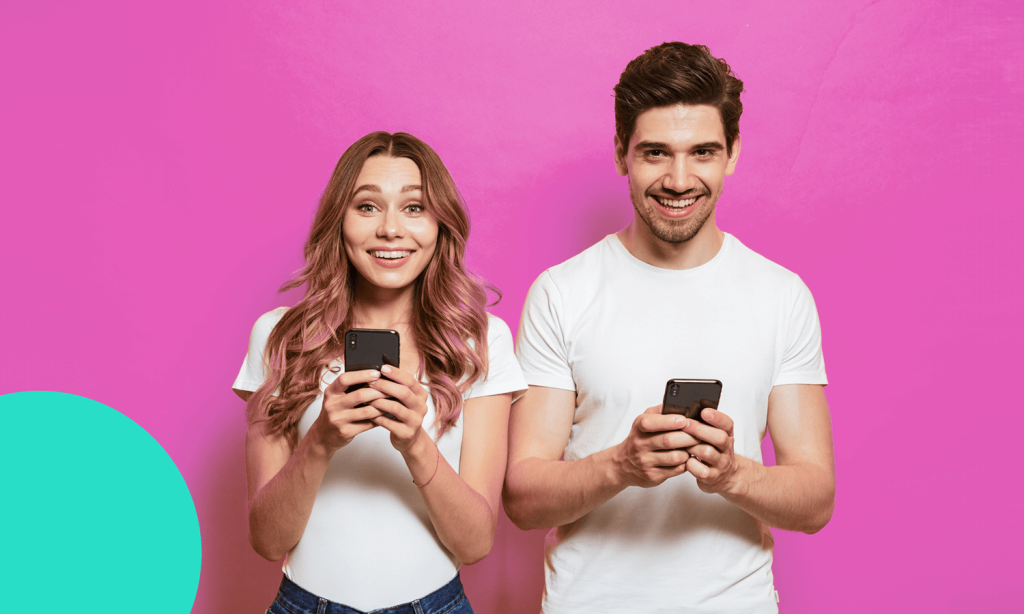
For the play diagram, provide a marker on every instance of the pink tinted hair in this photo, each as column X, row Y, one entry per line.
column 449, row 322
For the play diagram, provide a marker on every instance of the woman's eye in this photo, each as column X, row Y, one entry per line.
column 365, row 207
column 415, row 208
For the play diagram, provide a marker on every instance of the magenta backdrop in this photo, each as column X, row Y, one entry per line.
column 160, row 166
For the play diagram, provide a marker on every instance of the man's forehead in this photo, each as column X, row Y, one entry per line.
column 679, row 125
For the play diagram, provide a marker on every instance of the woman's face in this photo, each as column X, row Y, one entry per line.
column 390, row 235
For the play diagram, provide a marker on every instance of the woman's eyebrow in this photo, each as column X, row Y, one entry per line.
column 370, row 187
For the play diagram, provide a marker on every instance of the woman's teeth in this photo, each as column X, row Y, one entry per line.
column 390, row 255
column 675, row 204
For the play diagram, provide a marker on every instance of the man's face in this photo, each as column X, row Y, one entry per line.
column 676, row 163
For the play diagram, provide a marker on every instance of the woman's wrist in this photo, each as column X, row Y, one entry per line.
column 422, row 458
column 314, row 447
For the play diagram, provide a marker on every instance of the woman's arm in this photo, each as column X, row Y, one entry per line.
column 463, row 506
column 283, row 483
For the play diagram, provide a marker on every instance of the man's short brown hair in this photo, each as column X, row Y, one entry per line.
column 677, row 73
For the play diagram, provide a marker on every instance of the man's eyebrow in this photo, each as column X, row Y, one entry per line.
column 708, row 145
column 657, row 145
column 650, row 145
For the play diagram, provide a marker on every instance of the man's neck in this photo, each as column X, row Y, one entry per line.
column 639, row 241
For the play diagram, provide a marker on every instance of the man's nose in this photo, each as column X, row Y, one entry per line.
column 677, row 176
column 391, row 224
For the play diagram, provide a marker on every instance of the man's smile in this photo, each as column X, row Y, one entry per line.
column 675, row 204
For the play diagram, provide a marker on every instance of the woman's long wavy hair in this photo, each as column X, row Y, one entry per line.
column 449, row 322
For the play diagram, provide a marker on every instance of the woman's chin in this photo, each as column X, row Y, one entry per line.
column 392, row 281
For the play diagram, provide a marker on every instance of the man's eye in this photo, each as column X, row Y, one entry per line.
column 655, row 153
column 703, row 153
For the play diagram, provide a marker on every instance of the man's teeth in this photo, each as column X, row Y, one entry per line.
column 676, row 204
column 389, row 255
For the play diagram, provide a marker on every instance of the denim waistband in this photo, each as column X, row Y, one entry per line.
column 300, row 600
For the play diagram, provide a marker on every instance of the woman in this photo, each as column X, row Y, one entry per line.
column 376, row 506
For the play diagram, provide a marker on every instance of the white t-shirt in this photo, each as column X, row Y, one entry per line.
column 369, row 542
column 615, row 330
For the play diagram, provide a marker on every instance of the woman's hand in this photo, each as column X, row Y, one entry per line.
column 408, row 406
column 340, row 420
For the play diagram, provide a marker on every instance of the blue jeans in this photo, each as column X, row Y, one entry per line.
column 293, row 599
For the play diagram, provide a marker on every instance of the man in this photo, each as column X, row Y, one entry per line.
column 655, row 512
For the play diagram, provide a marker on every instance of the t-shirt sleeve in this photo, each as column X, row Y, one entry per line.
column 503, row 372
column 541, row 347
column 802, row 361
column 253, row 372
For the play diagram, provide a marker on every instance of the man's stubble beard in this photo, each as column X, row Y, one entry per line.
column 666, row 230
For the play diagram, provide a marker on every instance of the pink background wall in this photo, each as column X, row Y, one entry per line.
column 159, row 166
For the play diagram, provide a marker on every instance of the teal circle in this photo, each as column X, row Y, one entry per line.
column 95, row 516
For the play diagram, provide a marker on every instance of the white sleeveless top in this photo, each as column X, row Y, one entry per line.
column 369, row 542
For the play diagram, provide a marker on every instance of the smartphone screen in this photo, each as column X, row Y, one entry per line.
column 689, row 396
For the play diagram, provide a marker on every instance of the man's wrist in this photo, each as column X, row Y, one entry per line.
column 613, row 463
column 738, row 485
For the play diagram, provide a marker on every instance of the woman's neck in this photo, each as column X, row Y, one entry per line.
column 387, row 308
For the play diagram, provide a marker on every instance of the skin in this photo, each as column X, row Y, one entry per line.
column 386, row 213
column 675, row 153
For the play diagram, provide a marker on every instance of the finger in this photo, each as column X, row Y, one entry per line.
column 404, row 378
column 717, row 419
column 394, row 426
column 654, row 409
column 357, row 414
column 658, row 475
column 708, row 434
column 650, row 423
column 399, row 391
column 698, row 469
column 396, row 409
column 672, row 440
column 359, row 397
column 362, row 426
column 709, row 455
column 668, row 458
column 349, row 378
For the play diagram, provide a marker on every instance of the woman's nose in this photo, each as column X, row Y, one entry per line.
column 391, row 224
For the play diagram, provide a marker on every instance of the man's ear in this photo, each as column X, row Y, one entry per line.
column 735, row 155
column 620, row 158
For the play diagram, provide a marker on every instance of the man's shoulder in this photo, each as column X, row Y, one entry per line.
column 583, row 267
column 759, row 269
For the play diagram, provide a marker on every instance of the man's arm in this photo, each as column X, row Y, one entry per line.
column 798, row 493
column 542, row 491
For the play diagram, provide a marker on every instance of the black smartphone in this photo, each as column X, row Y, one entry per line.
column 367, row 348
column 689, row 396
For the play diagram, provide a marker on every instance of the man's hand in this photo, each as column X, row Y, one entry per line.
column 655, row 450
column 712, row 460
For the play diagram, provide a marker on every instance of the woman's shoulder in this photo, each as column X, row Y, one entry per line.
column 497, row 328
column 265, row 324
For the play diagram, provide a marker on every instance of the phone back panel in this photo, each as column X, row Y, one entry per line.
column 371, row 349
column 689, row 396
